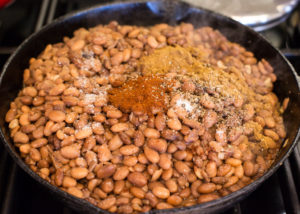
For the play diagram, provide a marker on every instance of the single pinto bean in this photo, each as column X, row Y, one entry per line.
column 211, row 169
column 151, row 155
column 125, row 137
column 160, row 122
column 172, row 185
column 270, row 122
column 106, row 171
column 174, row 200
column 26, row 100
column 70, row 152
column 107, row 185
column 107, row 203
column 260, row 120
column 163, row 205
column 192, row 136
column 249, row 112
column 25, row 148
column 234, row 133
column 207, row 197
column 152, row 42
column 139, row 138
column 207, row 101
column 219, row 180
column 114, row 114
column 115, row 143
column 117, row 58
column 120, row 127
column 151, row 133
column 159, row 145
column 231, row 181
column 223, row 170
column 92, row 184
column 248, row 168
column 182, row 167
column 206, row 188
column 137, row 192
column 78, row 45
column 193, row 124
column 84, row 133
column 188, row 86
column 69, row 182
column 137, row 179
column 136, row 53
column 129, row 150
column 10, row 115
column 104, row 153
column 220, row 135
column 126, row 54
column 180, row 155
column 161, row 192
column 152, row 198
column 167, row 174
column 119, row 186
column 169, row 134
column 24, row 119
column 79, row 173
column 20, row 137
column 57, row 90
column 239, row 171
column 126, row 209
column 270, row 133
column 233, row 162
column 165, row 162
column 174, row 124
column 34, row 115
column 121, row 173
column 35, row 154
column 100, row 193
column 156, row 174
column 210, row 118
column 185, row 193
column 39, row 142
column 75, row 191
column 57, row 116
column 97, row 128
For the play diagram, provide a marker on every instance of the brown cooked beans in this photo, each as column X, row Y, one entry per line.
column 198, row 143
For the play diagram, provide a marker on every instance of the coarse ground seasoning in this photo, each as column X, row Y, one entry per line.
column 182, row 59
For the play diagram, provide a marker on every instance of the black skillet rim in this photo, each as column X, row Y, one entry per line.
column 225, row 201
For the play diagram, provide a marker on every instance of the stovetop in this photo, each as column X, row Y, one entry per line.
column 19, row 193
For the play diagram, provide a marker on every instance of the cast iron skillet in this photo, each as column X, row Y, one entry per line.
column 150, row 13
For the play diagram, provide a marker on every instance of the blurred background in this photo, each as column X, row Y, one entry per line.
column 277, row 20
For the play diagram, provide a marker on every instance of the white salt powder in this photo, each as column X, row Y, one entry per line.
column 185, row 104
column 87, row 127
column 83, row 81
column 97, row 125
column 89, row 98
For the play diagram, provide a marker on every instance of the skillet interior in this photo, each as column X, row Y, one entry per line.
column 149, row 13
